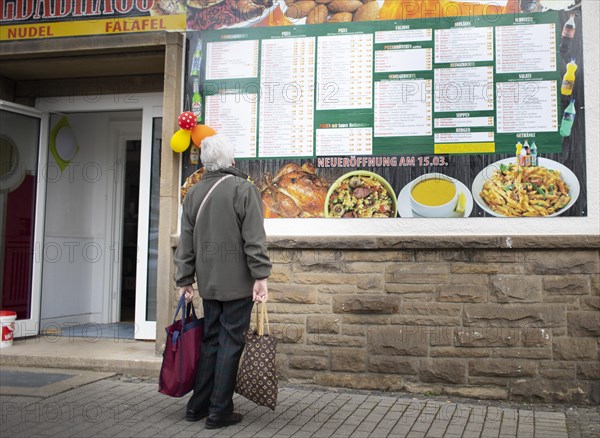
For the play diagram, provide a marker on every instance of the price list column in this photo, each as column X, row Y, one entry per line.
column 287, row 97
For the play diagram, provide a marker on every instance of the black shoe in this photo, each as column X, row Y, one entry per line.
column 216, row 421
column 192, row 415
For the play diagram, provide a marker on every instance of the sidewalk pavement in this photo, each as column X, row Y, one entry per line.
column 120, row 399
column 119, row 406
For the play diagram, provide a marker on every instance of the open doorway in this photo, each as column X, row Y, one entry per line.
column 131, row 203
column 91, row 236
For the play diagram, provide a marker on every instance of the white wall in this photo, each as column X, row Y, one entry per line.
column 79, row 215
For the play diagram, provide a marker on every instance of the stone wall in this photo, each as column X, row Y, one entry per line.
column 518, row 324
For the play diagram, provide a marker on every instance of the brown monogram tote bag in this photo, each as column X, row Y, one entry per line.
column 257, row 374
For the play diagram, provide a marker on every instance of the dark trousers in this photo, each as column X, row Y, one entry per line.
column 225, row 324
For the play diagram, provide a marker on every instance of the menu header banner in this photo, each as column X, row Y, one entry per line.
column 29, row 19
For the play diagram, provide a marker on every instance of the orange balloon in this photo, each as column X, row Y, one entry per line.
column 200, row 132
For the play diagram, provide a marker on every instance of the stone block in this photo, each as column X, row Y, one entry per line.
column 591, row 303
column 487, row 337
column 462, row 294
column 585, row 323
column 324, row 278
column 563, row 262
column 288, row 333
column 410, row 289
column 308, row 362
column 294, row 309
column 370, row 283
column 366, row 304
column 379, row 256
column 321, row 257
column 422, row 388
column 366, row 319
column 459, row 352
column 442, row 370
column 366, row 268
column 346, row 359
column 335, row 289
column 511, row 315
column 323, row 324
column 566, row 284
column 470, row 279
column 410, row 273
column 336, row 340
column 581, row 349
column 291, row 293
column 354, row 330
column 497, row 256
column 477, row 392
column 397, row 341
column 588, row 370
column 595, row 284
column 481, row 268
column 523, row 353
column 420, row 320
column 302, row 350
column 373, row 382
column 280, row 273
column 441, row 335
column 503, row 368
column 393, row 365
column 516, row 289
column 431, row 309
column 541, row 390
column 531, row 336
column 283, row 319
column 552, row 369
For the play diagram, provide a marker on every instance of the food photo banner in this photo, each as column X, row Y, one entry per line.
column 355, row 115
column 32, row 19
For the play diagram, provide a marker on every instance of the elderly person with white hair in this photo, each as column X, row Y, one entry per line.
column 223, row 245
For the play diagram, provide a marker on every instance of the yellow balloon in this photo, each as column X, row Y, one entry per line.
column 180, row 141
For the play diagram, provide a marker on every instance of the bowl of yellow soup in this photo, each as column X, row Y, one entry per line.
column 433, row 195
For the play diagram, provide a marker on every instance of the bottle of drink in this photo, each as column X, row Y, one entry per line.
column 197, row 101
column 196, row 60
column 568, row 119
column 568, row 33
column 522, row 159
column 527, row 155
column 194, row 154
column 519, row 147
column 534, row 154
column 569, row 79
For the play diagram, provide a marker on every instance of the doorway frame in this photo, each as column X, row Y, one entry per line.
column 31, row 326
column 121, row 131
column 150, row 104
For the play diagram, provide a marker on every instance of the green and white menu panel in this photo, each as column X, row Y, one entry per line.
column 422, row 87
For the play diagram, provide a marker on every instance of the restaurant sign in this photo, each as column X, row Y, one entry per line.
column 30, row 19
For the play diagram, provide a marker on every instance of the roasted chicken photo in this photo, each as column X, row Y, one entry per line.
column 295, row 191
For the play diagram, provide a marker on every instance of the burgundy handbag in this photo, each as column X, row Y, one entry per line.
column 182, row 352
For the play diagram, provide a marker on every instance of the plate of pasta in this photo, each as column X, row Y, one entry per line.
column 506, row 189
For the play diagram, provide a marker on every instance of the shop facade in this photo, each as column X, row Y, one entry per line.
column 476, row 305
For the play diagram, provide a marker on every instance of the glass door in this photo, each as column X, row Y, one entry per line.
column 145, row 299
column 23, row 159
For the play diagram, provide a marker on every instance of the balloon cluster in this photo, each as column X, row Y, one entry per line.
column 190, row 131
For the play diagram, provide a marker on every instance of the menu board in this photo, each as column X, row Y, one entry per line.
column 471, row 115
column 387, row 87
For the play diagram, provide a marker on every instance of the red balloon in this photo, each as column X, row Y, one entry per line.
column 187, row 120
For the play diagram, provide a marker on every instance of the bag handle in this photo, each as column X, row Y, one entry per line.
column 190, row 310
column 260, row 321
column 214, row 186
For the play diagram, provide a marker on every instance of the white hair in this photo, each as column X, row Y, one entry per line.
column 216, row 152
